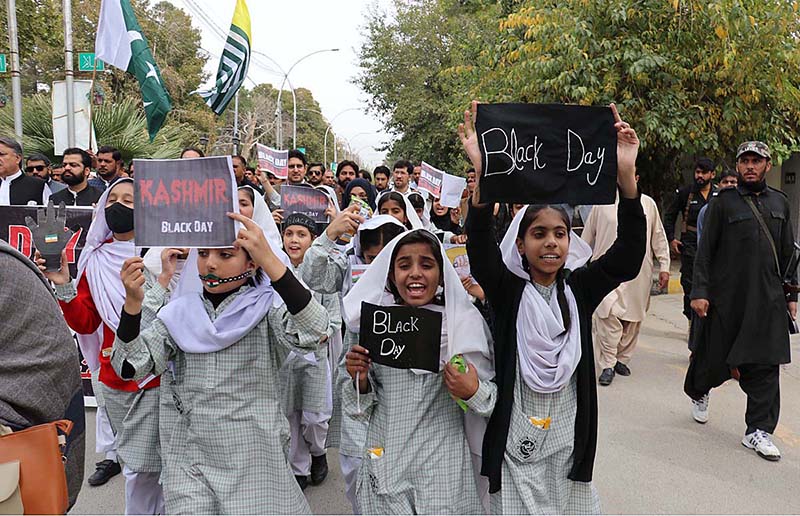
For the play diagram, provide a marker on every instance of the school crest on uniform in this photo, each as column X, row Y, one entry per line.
column 526, row 447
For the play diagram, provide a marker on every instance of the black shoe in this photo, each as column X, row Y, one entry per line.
column 319, row 469
column 606, row 377
column 302, row 481
column 621, row 369
column 105, row 470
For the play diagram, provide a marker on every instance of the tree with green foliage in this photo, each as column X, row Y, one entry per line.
column 411, row 59
column 119, row 124
column 692, row 77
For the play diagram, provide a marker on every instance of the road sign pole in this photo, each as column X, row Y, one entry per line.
column 16, row 87
column 68, row 58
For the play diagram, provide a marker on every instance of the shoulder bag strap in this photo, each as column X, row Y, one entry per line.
column 765, row 229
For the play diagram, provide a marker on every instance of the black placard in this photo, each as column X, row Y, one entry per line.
column 402, row 337
column 184, row 202
column 547, row 154
column 306, row 200
column 14, row 231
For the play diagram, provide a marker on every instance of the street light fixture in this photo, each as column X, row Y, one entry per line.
column 278, row 110
column 327, row 129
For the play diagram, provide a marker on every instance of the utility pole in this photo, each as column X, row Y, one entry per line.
column 16, row 87
column 67, row 10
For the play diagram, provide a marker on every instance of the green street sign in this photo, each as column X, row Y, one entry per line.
column 333, row 166
column 3, row 65
column 86, row 62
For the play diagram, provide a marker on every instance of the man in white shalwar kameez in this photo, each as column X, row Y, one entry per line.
column 618, row 319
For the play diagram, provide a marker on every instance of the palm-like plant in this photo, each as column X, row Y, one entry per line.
column 118, row 124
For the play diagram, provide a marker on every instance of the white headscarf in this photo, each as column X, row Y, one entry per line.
column 102, row 261
column 372, row 223
column 411, row 214
column 548, row 356
column 186, row 318
column 463, row 329
column 331, row 194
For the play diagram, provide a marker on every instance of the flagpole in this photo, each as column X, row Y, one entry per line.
column 236, row 124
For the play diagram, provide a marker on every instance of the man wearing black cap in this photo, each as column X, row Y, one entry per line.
column 688, row 203
column 741, row 266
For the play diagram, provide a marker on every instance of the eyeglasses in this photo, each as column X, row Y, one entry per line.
column 315, row 172
column 37, row 168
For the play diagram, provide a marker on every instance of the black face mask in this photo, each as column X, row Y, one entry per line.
column 119, row 218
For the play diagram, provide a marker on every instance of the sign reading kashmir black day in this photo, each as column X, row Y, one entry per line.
column 547, row 154
column 306, row 200
column 274, row 161
column 403, row 337
column 14, row 230
column 184, row 202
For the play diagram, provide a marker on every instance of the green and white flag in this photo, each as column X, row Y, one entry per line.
column 120, row 43
column 234, row 62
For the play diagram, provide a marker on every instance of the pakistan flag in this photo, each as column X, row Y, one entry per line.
column 120, row 43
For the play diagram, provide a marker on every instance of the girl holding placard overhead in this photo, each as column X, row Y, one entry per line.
column 540, row 444
column 413, row 318
column 226, row 339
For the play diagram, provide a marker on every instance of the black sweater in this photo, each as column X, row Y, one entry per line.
column 590, row 284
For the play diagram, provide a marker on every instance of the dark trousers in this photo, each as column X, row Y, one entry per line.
column 762, row 386
column 688, row 252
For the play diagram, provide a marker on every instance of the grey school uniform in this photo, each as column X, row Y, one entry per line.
column 348, row 433
column 228, row 448
column 538, row 460
column 133, row 415
column 306, row 386
column 425, row 465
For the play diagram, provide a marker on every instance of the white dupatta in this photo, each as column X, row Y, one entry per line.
column 548, row 355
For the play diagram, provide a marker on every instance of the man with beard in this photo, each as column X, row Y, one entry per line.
column 381, row 175
column 688, row 202
column 742, row 263
column 38, row 165
column 346, row 171
column 401, row 173
column 16, row 188
column 77, row 164
column 314, row 174
column 109, row 164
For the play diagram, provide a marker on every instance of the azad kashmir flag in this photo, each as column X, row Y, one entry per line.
column 120, row 43
column 234, row 62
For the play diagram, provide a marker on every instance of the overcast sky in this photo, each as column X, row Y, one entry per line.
column 288, row 30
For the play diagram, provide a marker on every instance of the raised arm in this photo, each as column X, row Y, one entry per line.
column 623, row 261
column 485, row 260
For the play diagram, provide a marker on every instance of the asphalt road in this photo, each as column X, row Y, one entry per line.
column 652, row 457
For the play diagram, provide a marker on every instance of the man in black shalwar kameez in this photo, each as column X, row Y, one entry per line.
column 738, row 294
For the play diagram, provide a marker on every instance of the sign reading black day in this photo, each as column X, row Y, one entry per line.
column 402, row 337
column 306, row 200
column 19, row 236
column 184, row 202
column 547, row 154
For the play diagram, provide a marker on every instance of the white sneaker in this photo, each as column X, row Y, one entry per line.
column 761, row 442
column 700, row 409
